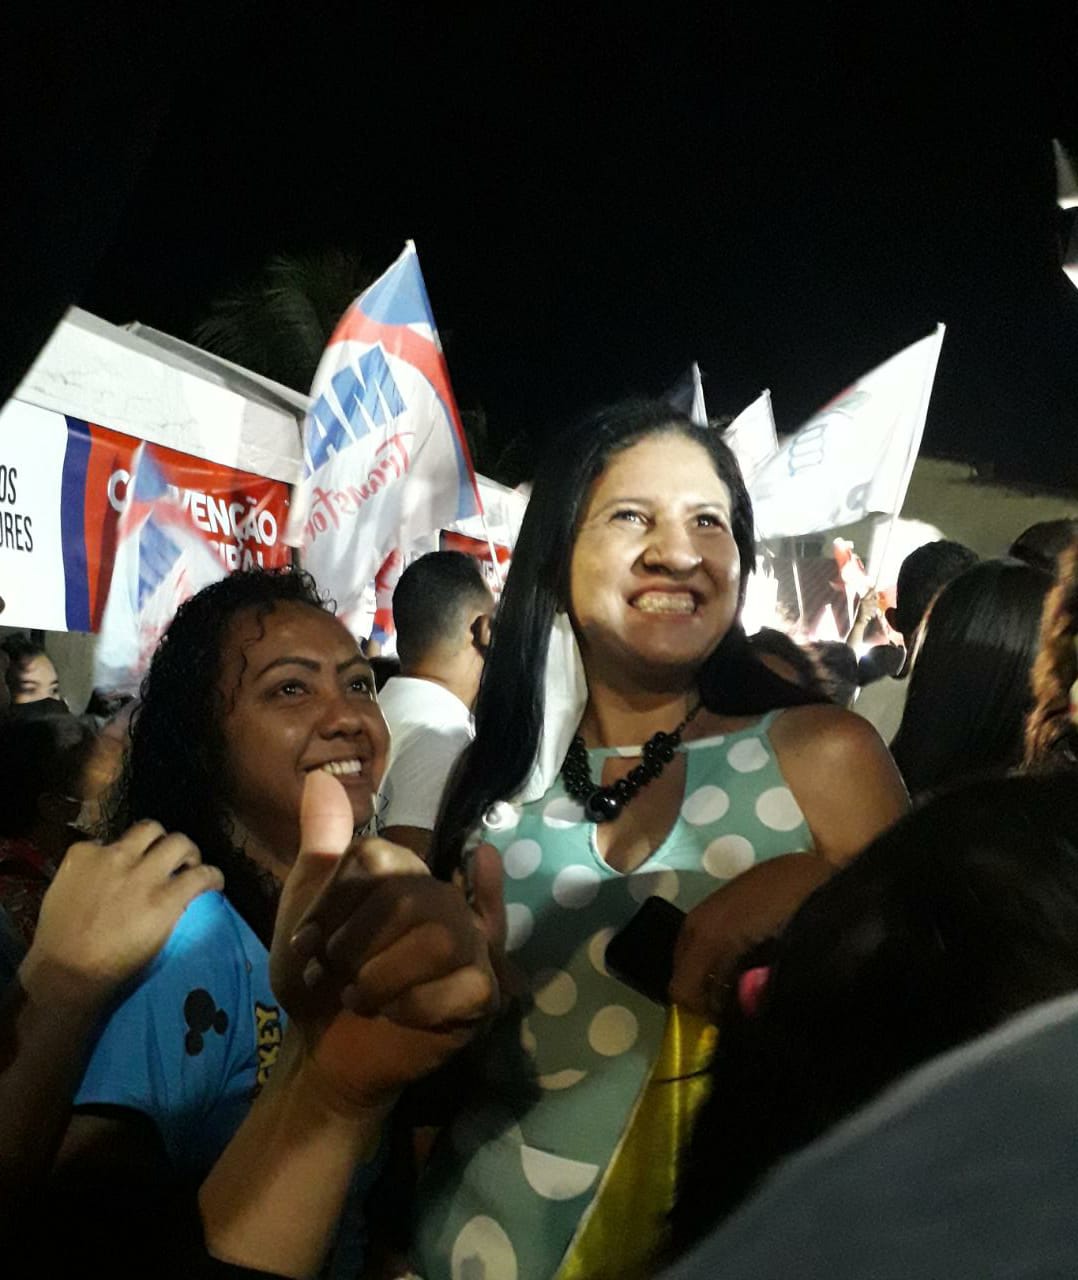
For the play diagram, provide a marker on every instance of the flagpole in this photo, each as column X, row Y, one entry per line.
column 797, row 589
column 490, row 542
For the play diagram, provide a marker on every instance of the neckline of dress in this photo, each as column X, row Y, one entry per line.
column 712, row 740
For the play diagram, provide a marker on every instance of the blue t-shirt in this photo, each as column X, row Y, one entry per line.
column 193, row 1041
column 191, row 1045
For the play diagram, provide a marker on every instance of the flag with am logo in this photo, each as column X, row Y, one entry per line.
column 385, row 458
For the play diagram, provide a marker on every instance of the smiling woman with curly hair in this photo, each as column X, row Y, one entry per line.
column 177, row 769
column 254, row 686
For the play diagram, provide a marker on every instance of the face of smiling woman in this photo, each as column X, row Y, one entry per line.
column 298, row 696
column 655, row 570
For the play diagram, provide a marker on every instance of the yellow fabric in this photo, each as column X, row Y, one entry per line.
column 627, row 1219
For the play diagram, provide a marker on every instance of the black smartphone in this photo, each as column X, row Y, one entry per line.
column 642, row 954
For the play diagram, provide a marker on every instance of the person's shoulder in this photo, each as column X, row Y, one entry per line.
column 842, row 776
column 208, row 916
column 423, row 706
column 210, row 936
column 833, row 731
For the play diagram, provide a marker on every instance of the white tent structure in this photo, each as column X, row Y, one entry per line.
column 150, row 386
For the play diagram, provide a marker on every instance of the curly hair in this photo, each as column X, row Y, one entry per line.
column 175, row 764
column 1051, row 736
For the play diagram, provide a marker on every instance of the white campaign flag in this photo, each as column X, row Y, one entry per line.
column 855, row 457
column 385, row 460
column 751, row 436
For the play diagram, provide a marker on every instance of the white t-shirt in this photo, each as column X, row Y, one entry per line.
column 430, row 727
column 882, row 703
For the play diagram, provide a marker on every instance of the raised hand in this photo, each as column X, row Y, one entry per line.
column 385, row 969
column 110, row 910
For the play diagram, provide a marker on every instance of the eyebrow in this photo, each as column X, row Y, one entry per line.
column 312, row 664
column 647, row 502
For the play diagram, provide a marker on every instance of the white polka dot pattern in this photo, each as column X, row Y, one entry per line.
column 519, row 923
column 597, row 950
column 588, row 1041
column 613, row 1030
column 654, row 884
column 706, row 804
column 482, row 1251
column 748, row 756
column 528, row 1041
column 563, row 812
column 776, row 808
column 522, row 858
column 558, row 1080
column 555, row 1177
column 575, row 886
column 728, row 856
column 555, row 991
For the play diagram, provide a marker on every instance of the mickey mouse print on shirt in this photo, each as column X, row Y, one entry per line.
column 202, row 1015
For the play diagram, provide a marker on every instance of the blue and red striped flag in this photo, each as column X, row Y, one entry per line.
column 385, row 458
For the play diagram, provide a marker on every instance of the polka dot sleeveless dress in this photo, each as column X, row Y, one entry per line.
column 513, row 1176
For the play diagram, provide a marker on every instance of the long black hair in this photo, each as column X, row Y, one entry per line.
column 969, row 690
column 509, row 710
column 175, row 766
column 960, row 916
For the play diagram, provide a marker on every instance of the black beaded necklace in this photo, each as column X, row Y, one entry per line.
column 603, row 804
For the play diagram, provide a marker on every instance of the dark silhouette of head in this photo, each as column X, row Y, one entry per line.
column 963, row 914
column 922, row 574
column 1042, row 544
column 970, row 690
column 41, row 764
column 436, row 603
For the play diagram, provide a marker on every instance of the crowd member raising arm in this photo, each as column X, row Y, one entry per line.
column 410, row 960
column 106, row 915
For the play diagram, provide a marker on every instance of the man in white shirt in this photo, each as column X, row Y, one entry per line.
column 442, row 612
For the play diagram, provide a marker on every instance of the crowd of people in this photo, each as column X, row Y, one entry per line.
column 589, row 939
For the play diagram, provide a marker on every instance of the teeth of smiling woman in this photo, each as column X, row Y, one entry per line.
column 666, row 602
column 343, row 766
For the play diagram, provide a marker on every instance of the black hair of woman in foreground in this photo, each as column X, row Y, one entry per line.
column 960, row 916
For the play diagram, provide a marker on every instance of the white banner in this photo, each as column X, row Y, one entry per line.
column 855, row 457
column 33, row 443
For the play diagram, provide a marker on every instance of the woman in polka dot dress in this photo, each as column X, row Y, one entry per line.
column 620, row 620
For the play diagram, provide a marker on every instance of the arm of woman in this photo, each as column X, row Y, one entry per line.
column 385, row 975
column 849, row 790
column 842, row 777
column 106, row 915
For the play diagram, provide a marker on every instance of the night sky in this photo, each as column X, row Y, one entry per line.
column 600, row 193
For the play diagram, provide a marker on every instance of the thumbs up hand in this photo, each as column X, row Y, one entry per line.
column 385, row 969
